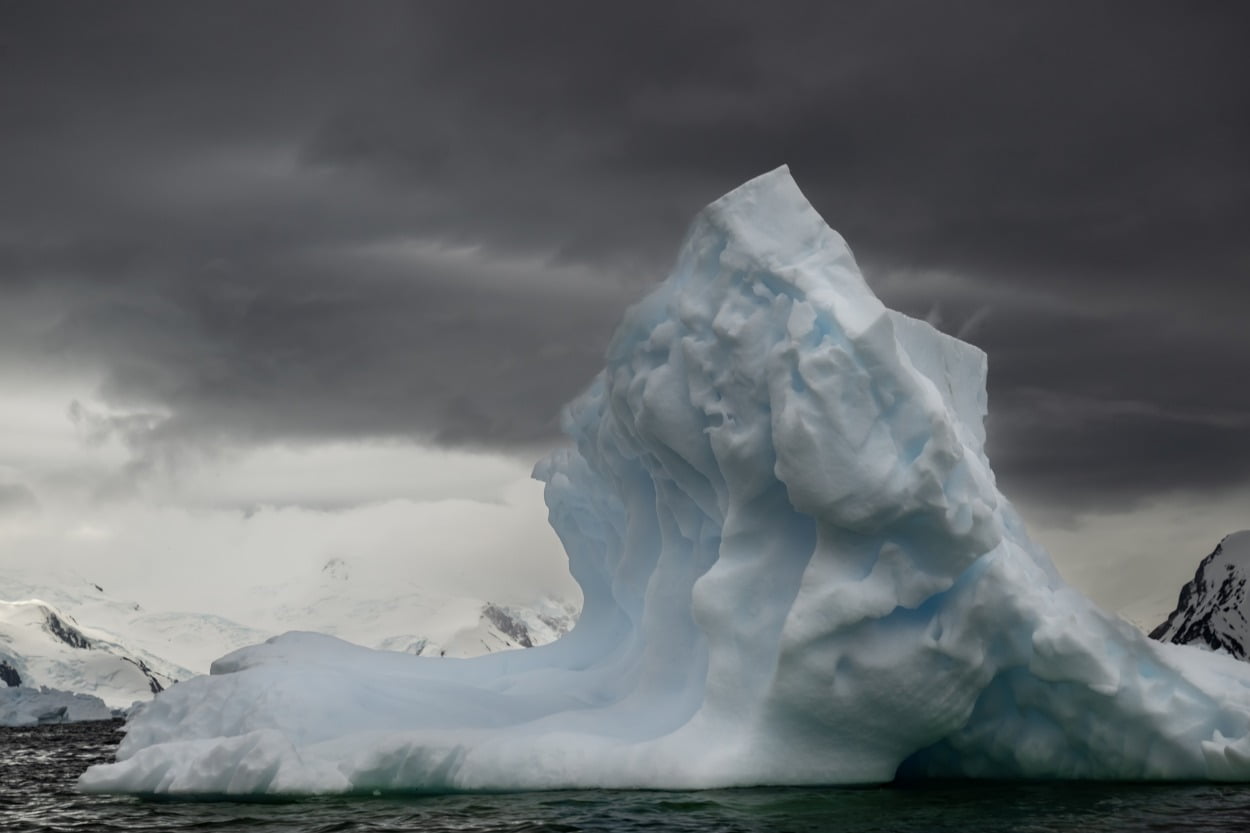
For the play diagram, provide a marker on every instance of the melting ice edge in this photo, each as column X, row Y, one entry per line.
column 797, row 569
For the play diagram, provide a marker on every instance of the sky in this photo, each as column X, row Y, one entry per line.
column 333, row 268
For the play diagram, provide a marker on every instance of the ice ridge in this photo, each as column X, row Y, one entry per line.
column 796, row 566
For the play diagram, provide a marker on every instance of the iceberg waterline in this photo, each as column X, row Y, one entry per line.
column 796, row 566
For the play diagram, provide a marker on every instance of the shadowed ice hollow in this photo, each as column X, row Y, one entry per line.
column 797, row 569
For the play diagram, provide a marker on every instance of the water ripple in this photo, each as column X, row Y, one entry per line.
column 39, row 767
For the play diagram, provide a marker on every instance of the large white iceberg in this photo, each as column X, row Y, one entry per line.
column 796, row 566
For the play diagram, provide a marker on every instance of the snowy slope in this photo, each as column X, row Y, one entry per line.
column 363, row 603
column 354, row 601
column 123, row 624
column 43, row 646
column 1213, row 611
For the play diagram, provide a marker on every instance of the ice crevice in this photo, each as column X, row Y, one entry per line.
column 796, row 567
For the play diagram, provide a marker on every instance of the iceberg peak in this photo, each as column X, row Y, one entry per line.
column 797, row 569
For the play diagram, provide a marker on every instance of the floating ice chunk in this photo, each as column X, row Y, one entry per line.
column 29, row 706
column 796, row 568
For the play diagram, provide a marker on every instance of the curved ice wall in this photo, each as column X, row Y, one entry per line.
column 796, row 569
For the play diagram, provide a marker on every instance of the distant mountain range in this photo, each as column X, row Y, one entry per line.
column 42, row 645
column 68, row 634
column 1212, row 611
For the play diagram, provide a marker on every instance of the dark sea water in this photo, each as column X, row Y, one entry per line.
column 38, row 768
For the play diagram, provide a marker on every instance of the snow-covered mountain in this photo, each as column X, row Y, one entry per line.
column 67, row 633
column 366, row 604
column 1212, row 610
column 41, row 645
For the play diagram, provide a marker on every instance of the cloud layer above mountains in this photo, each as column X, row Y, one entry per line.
column 316, row 223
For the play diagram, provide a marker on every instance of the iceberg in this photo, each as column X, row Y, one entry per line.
column 28, row 706
column 796, row 568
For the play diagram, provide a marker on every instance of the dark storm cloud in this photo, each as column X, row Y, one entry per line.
column 250, row 214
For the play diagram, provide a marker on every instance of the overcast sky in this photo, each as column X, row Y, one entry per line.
column 313, row 258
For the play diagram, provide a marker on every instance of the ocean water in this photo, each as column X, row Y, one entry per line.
column 38, row 768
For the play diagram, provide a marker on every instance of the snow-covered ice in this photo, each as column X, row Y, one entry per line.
column 29, row 706
column 796, row 568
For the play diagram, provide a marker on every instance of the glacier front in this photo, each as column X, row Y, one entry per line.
column 796, row 566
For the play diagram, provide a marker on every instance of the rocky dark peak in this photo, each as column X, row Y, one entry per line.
column 1212, row 609
column 9, row 675
column 65, row 632
column 508, row 625
column 154, row 685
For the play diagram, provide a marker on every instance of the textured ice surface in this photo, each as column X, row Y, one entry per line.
column 796, row 569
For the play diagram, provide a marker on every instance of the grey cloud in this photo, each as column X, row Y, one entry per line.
column 17, row 498
column 330, row 354
column 206, row 190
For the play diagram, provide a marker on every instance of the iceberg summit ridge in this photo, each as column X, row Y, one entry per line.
column 796, row 567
